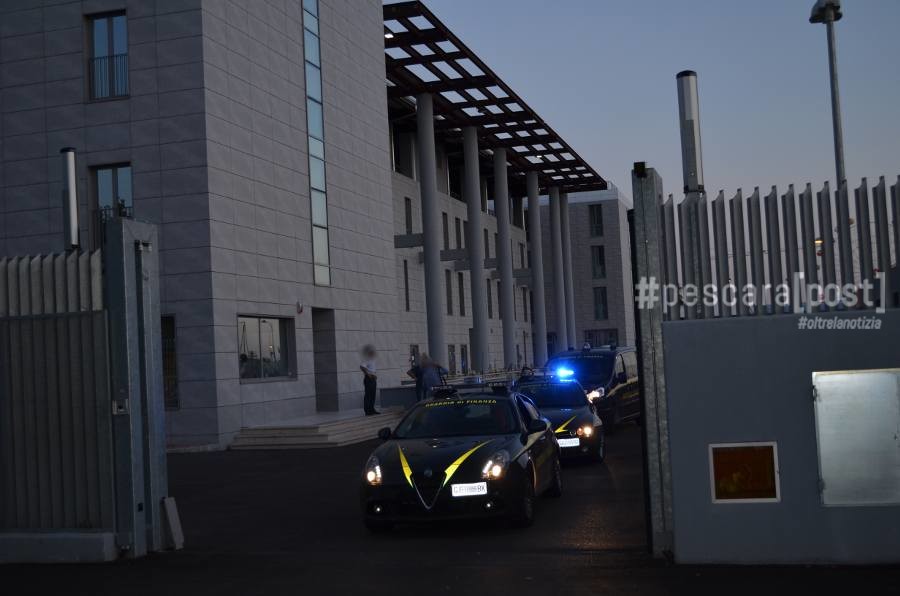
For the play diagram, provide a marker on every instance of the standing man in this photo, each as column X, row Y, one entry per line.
column 416, row 373
column 432, row 375
column 370, row 379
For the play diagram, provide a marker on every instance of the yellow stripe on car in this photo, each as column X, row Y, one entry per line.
column 451, row 469
column 563, row 426
column 407, row 471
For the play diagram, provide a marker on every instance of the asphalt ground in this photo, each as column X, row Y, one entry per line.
column 288, row 522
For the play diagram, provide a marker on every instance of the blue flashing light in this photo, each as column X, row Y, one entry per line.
column 563, row 373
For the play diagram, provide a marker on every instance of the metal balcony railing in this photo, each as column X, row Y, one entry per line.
column 109, row 76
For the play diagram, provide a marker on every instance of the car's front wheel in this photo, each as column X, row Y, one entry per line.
column 523, row 512
column 555, row 488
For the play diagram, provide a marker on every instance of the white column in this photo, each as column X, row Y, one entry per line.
column 475, row 249
column 559, row 281
column 431, row 228
column 504, row 258
column 539, row 312
column 567, row 269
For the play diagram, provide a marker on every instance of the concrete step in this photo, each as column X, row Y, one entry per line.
column 329, row 433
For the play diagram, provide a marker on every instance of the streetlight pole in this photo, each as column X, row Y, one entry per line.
column 829, row 11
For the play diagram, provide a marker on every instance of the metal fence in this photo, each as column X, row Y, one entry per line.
column 801, row 241
column 55, row 423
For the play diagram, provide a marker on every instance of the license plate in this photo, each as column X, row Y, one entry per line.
column 569, row 442
column 469, row 490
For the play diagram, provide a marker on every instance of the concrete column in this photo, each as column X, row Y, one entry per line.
column 431, row 228
column 567, row 269
column 504, row 258
column 475, row 247
column 539, row 312
column 559, row 280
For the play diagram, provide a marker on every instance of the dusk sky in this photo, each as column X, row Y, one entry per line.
column 602, row 73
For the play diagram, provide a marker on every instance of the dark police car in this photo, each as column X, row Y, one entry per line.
column 609, row 375
column 469, row 452
column 576, row 425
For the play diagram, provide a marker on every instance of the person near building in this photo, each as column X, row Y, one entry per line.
column 370, row 379
column 432, row 374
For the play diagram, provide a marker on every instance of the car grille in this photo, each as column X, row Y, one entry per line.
column 428, row 487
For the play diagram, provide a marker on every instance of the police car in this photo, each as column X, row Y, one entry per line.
column 470, row 451
column 578, row 429
column 609, row 376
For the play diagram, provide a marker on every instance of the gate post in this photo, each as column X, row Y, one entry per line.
column 647, row 192
column 132, row 288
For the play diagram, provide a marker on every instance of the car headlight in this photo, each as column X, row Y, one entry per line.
column 373, row 471
column 495, row 467
column 585, row 431
column 596, row 393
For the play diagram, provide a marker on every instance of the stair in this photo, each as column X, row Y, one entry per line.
column 317, row 432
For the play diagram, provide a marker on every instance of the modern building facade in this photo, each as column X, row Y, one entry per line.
column 601, row 271
column 305, row 207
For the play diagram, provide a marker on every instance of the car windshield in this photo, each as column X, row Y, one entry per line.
column 590, row 369
column 476, row 415
column 555, row 395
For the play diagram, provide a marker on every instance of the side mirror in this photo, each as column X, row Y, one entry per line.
column 537, row 426
column 385, row 433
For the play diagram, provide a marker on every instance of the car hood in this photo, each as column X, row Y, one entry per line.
column 565, row 419
column 433, row 460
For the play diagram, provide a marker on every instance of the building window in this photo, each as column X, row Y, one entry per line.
column 446, row 228
column 406, row 282
column 407, row 209
column 490, row 299
column 521, row 255
column 462, row 293
column 601, row 337
column 596, row 217
column 601, row 307
column 169, row 363
column 108, row 66
column 451, row 359
column 525, row 304
column 464, row 359
column 459, row 240
column 598, row 262
column 265, row 347
column 487, row 245
column 315, row 126
column 113, row 197
column 448, row 290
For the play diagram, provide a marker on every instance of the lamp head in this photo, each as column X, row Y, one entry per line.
column 826, row 10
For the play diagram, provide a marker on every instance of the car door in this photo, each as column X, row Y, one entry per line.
column 541, row 448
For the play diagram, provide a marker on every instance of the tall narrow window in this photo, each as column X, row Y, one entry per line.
column 406, row 282
column 459, row 240
column 462, row 293
column 525, row 304
column 521, row 255
column 596, row 217
column 487, row 245
column 598, row 262
column 448, row 289
column 108, row 66
column 407, row 207
column 490, row 299
column 601, row 307
column 112, row 198
column 315, row 125
column 446, row 227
